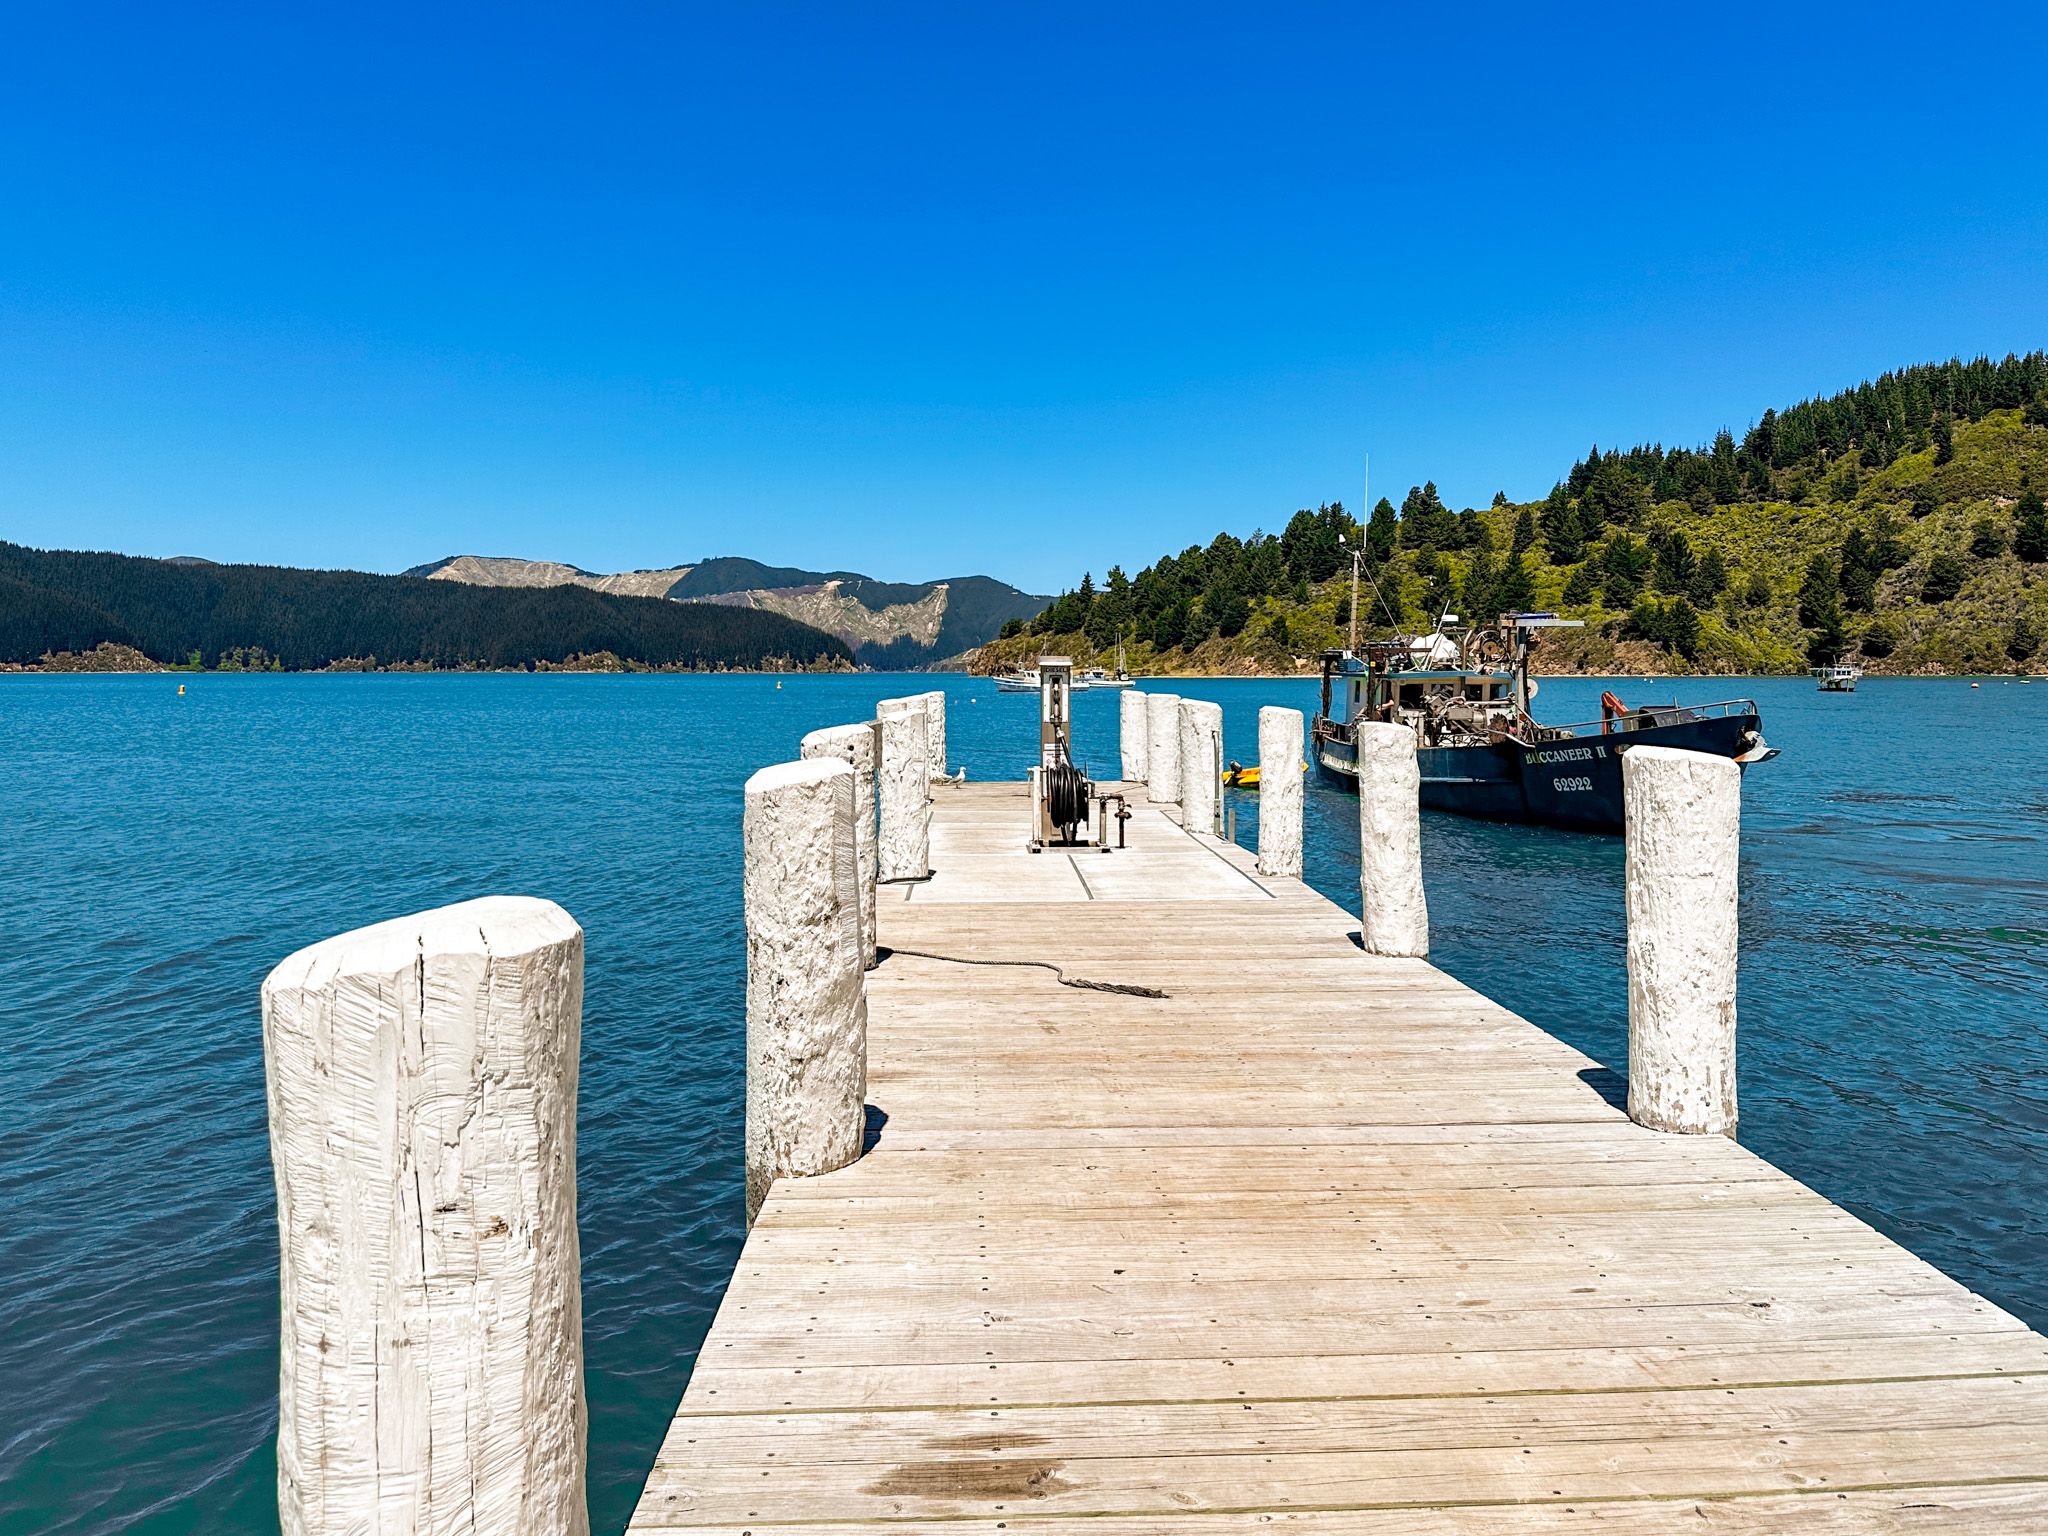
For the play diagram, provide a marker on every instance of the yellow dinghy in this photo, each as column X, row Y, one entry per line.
column 1237, row 776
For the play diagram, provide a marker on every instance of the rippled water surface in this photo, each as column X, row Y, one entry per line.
column 159, row 854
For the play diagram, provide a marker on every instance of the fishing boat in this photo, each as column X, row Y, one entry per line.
column 1024, row 681
column 1466, row 694
column 1095, row 677
column 1839, row 678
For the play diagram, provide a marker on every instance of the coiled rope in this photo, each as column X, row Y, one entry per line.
column 1125, row 988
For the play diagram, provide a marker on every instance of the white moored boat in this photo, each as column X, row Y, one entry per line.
column 1840, row 678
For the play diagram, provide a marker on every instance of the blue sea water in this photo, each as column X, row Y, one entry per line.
column 159, row 854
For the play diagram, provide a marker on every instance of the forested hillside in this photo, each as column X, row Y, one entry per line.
column 1899, row 523
column 243, row 616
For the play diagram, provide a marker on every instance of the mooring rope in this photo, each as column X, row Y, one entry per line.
column 1064, row 980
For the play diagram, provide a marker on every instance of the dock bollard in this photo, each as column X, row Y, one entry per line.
column 933, row 707
column 1683, row 816
column 935, row 730
column 807, row 1010
column 422, row 1084
column 903, row 792
column 1132, row 734
column 861, row 747
column 1394, row 916
column 1162, row 748
column 1280, row 791
column 1201, row 764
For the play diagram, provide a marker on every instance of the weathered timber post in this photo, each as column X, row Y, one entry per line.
column 422, row 1085
column 1683, row 816
column 860, row 746
column 903, row 790
column 1394, row 917
column 933, row 707
column 1132, row 732
column 1201, row 764
column 807, row 1009
column 935, row 730
column 1162, row 747
column 1280, row 791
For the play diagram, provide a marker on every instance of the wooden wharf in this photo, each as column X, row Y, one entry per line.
column 1320, row 1240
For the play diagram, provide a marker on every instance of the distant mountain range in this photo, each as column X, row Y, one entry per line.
column 886, row 624
column 130, row 612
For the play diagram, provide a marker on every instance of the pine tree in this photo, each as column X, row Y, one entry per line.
column 1383, row 532
column 2030, row 528
column 1709, row 579
column 1820, row 611
column 1515, row 592
column 1624, row 564
column 1525, row 533
column 1946, row 574
column 2023, row 640
column 1561, row 533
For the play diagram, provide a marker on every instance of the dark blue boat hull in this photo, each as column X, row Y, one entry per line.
column 1574, row 783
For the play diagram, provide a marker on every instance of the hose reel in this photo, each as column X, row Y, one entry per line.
column 1061, row 794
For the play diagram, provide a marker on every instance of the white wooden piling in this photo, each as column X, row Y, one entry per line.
column 1132, row 734
column 1683, row 815
column 932, row 706
column 935, row 730
column 1280, row 791
column 904, row 796
column 861, row 747
column 1201, row 763
column 422, row 1085
column 807, row 1008
column 1394, row 916
column 1162, row 747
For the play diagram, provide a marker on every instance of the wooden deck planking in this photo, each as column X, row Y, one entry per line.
column 1319, row 1239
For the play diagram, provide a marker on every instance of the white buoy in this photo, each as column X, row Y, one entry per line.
column 1201, row 764
column 807, row 1013
column 1280, row 791
column 1162, row 747
column 1133, row 734
column 904, row 797
column 422, row 1084
column 1394, row 916
column 1683, row 817
column 861, row 747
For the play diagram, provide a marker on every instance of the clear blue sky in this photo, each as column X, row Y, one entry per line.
column 1016, row 289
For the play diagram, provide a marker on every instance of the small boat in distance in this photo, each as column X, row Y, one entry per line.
column 1839, row 678
column 1466, row 695
column 1022, row 681
column 1095, row 677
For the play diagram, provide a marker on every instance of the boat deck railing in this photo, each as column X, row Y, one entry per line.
column 1652, row 715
